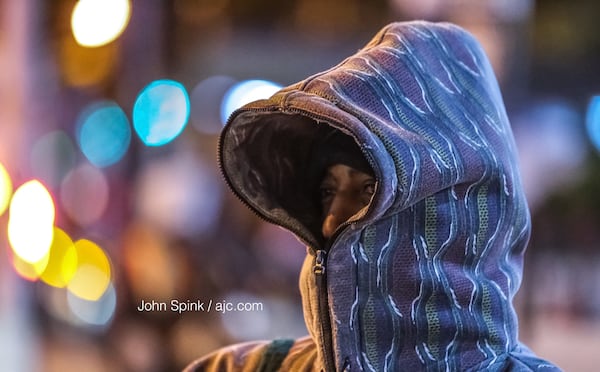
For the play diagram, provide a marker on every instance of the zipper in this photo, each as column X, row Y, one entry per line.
column 319, row 270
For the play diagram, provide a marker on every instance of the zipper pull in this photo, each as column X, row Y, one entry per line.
column 319, row 268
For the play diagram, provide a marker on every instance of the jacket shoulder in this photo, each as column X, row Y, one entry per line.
column 244, row 357
column 262, row 356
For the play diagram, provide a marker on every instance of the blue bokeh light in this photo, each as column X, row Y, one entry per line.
column 593, row 121
column 98, row 313
column 206, row 100
column 245, row 92
column 161, row 112
column 104, row 133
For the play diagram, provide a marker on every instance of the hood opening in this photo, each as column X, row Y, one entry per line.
column 275, row 163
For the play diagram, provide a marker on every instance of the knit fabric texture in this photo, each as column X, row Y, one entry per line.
column 424, row 278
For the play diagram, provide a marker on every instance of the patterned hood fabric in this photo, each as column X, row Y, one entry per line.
column 424, row 277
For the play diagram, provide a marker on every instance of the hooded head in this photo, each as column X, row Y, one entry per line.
column 424, row 276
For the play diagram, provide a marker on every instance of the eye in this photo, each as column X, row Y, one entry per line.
column 369, row 188
column 326, row 192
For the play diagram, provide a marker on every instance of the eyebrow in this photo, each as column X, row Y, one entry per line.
column 355, row 172
column 329, row 176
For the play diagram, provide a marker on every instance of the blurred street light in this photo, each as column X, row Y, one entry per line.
column 98, row 22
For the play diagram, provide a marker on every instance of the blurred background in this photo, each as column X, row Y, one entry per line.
column 110, row 193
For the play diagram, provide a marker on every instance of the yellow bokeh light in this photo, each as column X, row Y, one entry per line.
column 27, row 270
column 31, row 222
column 98, row 22
column 62, row 262
column 93, row 274
column 81, row 66
column 5, row 189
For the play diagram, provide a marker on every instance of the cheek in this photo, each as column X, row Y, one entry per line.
column 344, row 206
column 366, row 199
column 325, row 208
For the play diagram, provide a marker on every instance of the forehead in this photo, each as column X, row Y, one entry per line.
column 341, row 172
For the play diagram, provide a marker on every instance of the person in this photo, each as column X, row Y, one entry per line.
column 397, row 168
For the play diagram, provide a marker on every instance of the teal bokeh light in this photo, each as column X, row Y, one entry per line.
column 593, row 121
column 104, row 134
column 161, row 112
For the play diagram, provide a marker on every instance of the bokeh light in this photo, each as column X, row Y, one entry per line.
column 152, row 268
column 512, row 10
column 593, row 121
column 264, row 317
column 54, row 301
column 103, row 133
column 206, row 101
column 161, row 112
column 27, row 270
column 31, row 221
column 556, row 126
column 93, row 273
column 246, row 325
column 84, row 67
column 419, row 9
column 97, row 313
column 52, row 156
column 5, row 189
column 98, row 22
column 245, row 92
column 70, row 309
column 84, row 194
column 179, row 194
column 62, row 261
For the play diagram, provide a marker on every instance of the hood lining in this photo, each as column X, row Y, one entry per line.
column 270, row 161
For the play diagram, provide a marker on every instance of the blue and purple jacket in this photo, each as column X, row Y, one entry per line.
column 423, row 278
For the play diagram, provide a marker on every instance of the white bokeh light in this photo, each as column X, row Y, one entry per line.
column 98, row 22
column 31, row 221
column 246, row 92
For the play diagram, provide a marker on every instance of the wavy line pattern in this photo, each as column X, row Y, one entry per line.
column 435, row 279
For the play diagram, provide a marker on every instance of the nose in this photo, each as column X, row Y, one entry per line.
column 330, row 224
column 340, row 211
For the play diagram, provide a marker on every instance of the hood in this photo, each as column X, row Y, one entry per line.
column 423, row 278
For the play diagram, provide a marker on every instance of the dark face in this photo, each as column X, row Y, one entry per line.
column 344, row 191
